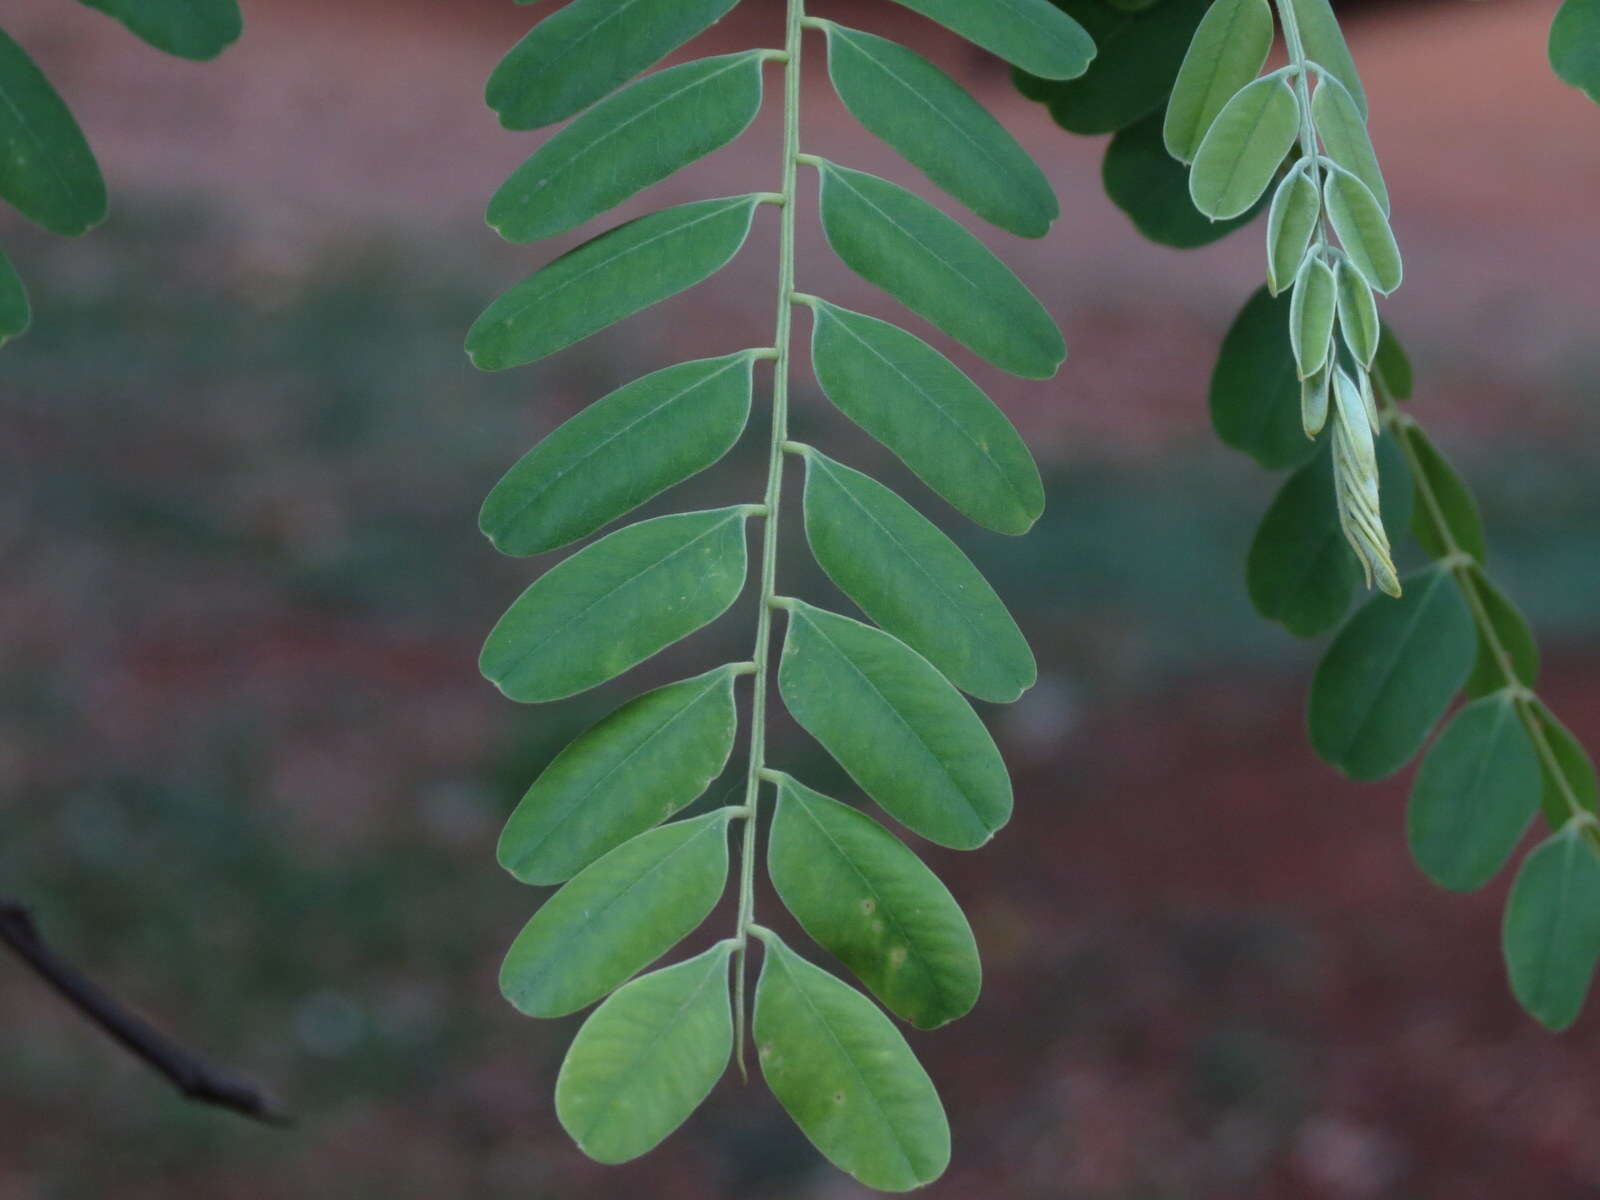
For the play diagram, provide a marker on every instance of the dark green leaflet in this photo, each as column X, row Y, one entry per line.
column 1152, row 187
column 188, row 28
column 1032, row 34
column 638, row 766
column 47, row 171
column 1575, row 45
column 1255, row 390
column 581, row 52
column 924, row 114
column 937, row 269
column 1391, row 366
column 1458, row 508
column 14, row 310
column 919, row 404
column 1574, row 772
column 619, row 452
column 617, row 602
column 1514, row 634
column 617, row 916
column 609, row 278
column 1551, row 934
column 635, row 139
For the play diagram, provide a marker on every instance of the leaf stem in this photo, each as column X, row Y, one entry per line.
column 794, row 29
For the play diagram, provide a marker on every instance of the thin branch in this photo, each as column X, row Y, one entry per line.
column 197, row 1080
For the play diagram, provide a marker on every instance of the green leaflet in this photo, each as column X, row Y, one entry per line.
column 608, row 278
column 1343, row 129
column 1363, row 230
column 1389, row 676
column 892, row 721
column 1457, row 507
column 1358, row 314
column 617, row 916
column 914, row 581
column 1311, row 312
column 1255, row 389
column 866, row 898
column 919, row 404
column 1516, row 639
column 1152, row 187
column 916, row 108
column 619, row 452
column 1228, row 51
column 617, row 602
column 198, row 29
column 1574, row 768
column 1575, row 46
column 647, row 1058
column 1244, row 147
column 1325, row 45
column 1032, row 34
column 628, row 142
column 47, row 171
column 1392, row 367
column 14, row 311
column 1551, row 935
column 937, row 269
column 1139, row 53
column 1473, row 797
column 843, row 1072
column 1296, row 208
column 634, row 769
column 583, row 51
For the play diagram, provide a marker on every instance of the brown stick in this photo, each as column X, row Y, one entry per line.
column 187, row 1072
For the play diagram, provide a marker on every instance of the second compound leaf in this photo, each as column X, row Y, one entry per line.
column 1032, row 34
column 47, row 171
column 1551, row 933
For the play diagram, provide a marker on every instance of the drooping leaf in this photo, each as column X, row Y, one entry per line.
column 866, row 898
column 608, row 278
column 1296, row 208
column 1456, row 506
column 1139, row 53
column 647, row 1058
column 617, row 916
column 1229, row 49
column 931, row 119
column 1474, row 795
column 1389, row 676
column 1152, row 187
column 1363, row 230
column 1244, row 147
column 896, row 725
column 617, row 602
column 1312, row 305
column 1575, row 46
column 1572, row 780
column 1358, row 314
column 921, row 406
column 1032, row 34
column 14, row 310
column 1325, row 45
column 1255, row 389
column 913, row 581
column 633, row 770
column 198, row 29
column 628, row 142
column 1551, row 934
column 47, row 171
column 937, row 269
column 619, row 452
column 580, row 53
column 843, row 1072
column 1392, row 367
column 1515, row 637
column 1343, row 129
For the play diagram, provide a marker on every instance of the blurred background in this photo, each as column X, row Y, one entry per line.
column 251, row 780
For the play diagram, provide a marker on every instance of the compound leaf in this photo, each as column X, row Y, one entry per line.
column 1325, row 45
column 922, row 407
column 843, row 1072
column 934, row 267
column 642, row 135
column 1474, row 795
column 1390, row 674
column 1363, row 230
column 1575, row 46
column 617, row 916
column 1229, row 49
column 896, row 725
column 198, row 29
column 1514, row 634
column 1152, row 188
column 609, row 278
column 1255, row 389
column 15, row 313
column 1456, row 507
column 1032, row 34
column 617, row 602
column 931, row 119
column 637, row 767
column 1242, row 150
column 1343, row 129
column 866, row 898
column 1551, row 934
column 914, row 581
column 647, row 1058
column 619, row 452
column 580, row 53
column 47, row 171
